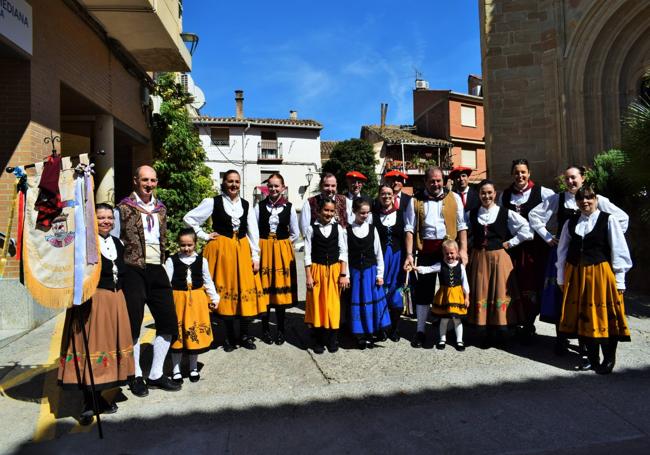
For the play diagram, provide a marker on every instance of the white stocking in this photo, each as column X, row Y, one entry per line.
column 160, row 347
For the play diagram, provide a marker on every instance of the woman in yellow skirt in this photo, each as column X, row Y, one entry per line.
column 233, row 256
column 592, row 260
column 106, row 322
column 452, row 299
column 326, row 271
column 278, row 226
column 194, row 297
column 491, row 276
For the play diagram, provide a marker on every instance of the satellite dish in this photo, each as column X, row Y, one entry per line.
column 194, row 90
column 199, row 98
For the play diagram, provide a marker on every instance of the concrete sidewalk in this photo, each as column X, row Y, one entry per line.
column 392, row 399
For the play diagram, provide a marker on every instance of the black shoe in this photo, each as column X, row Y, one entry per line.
column 381, row 336
column 138, row 387
column 87, row 416
column 418, row 341
column 585, row 364
column 266, row 337
column 163, row 383
column 332, row 346
column 248, row 343
column 441, row 345
column 460, row 346
column 194, row 376
column 362, row 343
column 279, row 339
column 318, row 349
column 177, row 378
column 394, row 336
column 228, row 346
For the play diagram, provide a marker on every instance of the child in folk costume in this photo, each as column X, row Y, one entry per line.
column 490, row 271
column 107, row 326
column 194, row 297
column 389, row 221
column 592, row 259
column 326, row 257
column 452, row 299
column 278, row 226
column 368, row 308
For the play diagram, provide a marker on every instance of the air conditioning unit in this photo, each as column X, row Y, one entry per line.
column 421, row 84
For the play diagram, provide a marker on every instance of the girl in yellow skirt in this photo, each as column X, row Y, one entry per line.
column 326, row 271
column 106, row 322
column 452, row 299
column 194, row 297
column 278, row 225
column 490, row 267
column 233, row 256
column 592, row 260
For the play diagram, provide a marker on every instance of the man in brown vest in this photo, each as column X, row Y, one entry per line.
column 141, row 222
column 328, row 187
column 432, row 216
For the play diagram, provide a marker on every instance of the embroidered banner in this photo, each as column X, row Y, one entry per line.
column 49, row 257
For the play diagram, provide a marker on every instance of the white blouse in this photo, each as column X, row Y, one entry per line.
column 274, row 219
column 326, row 230
column 434, row 221
column 208, row 284
column 197, row 216
column 516, row 223
column 349, row 199
column 620, row 254
column 109, row 251
column 435, row 268
column 518, row 199
column 546, row 213
column 361, row 231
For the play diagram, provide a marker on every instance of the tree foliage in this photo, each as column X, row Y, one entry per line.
column 353, row 155
column 183, row 178
column 636, row 143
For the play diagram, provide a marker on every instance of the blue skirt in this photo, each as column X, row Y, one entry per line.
column 551, row 302
column 368, row 308
column 393, row 277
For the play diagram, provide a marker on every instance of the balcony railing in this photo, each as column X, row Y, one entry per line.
column 269, row 150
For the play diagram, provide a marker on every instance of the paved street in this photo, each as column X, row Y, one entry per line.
column 392, row 399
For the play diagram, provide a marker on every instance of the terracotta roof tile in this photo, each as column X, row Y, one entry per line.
column 286, row 122
column 326, row 148
column 394, row 134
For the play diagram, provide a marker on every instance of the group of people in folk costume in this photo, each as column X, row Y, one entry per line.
column 497, row 264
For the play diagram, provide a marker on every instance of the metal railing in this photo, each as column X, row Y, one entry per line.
column 269, row 149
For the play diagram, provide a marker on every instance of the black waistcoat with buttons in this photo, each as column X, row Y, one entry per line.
column 282, row 231
column 491, row 236
column 361, row 251
column 450, row 276
column 222, row 222
column 179, row 277
column 594, row 247
column 325, row 250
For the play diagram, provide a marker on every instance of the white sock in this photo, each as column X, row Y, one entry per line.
column 459, row 330
column 176, row 362
column 443, row 329
column 194, row 362
column 160, row 347
column 136, row 358
column 422, row 312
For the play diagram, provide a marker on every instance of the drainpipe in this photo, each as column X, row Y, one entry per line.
column 243, row 159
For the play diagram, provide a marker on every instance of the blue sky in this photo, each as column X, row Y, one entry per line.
column 334, row 61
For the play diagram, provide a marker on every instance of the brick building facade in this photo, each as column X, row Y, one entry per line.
column 557, row 76
column 86, row 80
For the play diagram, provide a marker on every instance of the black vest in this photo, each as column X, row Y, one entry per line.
column 361, row 252
column 594, row 247
column 390, row 235
column 492, row 236
column 179, row 278
column 325, row 250
column 533, row 200
column 106, row 277
column 222, row 223
column 472, row 200
column 563, row 214
column 450, row 276
column 282, row 231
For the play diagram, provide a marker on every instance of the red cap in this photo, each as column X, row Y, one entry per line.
column 396, row 174
column 460, row 170
column 356, row 175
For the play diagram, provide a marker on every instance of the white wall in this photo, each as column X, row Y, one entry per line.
column 300, row 155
